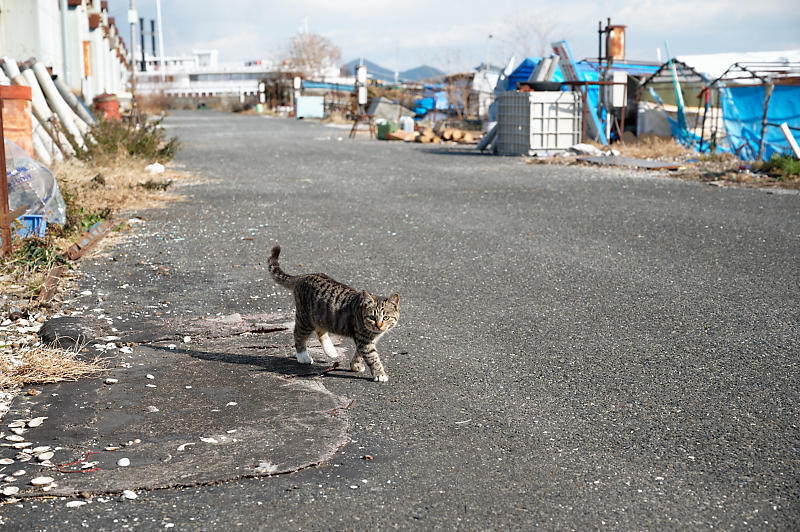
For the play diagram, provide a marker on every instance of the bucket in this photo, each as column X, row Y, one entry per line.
column 17, row 124
column 107, row 106
column 259, row 108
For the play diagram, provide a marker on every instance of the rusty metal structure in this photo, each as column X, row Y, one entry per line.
column 614, row 43
column 5, row 215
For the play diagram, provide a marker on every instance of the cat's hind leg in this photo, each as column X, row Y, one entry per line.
column 302, row 331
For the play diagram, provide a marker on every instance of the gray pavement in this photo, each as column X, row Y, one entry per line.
column 578, row 347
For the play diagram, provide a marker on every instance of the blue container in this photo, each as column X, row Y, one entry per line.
column 32, row 224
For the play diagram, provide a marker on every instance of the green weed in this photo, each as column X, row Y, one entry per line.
column 146, row 140
column 782, row 166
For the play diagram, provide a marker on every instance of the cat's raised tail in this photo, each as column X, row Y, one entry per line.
column 281, row 277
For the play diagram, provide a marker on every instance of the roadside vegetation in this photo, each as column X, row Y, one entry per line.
column 107, row 181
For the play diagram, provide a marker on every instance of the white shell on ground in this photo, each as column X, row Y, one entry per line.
column 42, row 481
column 35, row 422
column 10, row 490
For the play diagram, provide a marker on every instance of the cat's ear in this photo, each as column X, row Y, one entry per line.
column 366, row 297
column 395, row 299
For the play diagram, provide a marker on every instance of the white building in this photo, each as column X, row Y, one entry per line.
column 96, row 60
column 201, row 74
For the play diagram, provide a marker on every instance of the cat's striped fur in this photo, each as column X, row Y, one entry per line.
column 327, row 306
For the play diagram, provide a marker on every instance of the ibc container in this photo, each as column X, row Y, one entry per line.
column 533, row 122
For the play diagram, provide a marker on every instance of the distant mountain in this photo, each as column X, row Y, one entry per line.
column 376, row 71
column 420, row 73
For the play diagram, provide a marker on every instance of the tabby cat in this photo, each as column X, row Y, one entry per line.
column 327, row 306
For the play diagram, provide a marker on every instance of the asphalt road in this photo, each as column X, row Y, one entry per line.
column 578, row 347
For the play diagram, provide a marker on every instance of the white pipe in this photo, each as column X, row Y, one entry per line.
column 40, row 151
column 10, row 67
column 51, row 148
column 58, row 104
column 38, row 103
column 73, row 102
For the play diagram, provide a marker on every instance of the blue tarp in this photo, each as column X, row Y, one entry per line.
column 524, row 71
column 743, row 111
column 681, row 134
column 436, row 98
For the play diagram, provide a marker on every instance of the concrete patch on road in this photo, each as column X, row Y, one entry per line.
column 227, row 403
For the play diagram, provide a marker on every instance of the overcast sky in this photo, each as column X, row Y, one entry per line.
column 455, row 35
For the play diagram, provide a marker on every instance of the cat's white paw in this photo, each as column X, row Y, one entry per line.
column 304, row 358
column 358, row 367
column 381, row 378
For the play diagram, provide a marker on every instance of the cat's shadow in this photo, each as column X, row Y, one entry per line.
column 282, row 365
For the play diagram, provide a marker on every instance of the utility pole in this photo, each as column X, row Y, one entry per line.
column 65, row 43
column 141, row 38
column 160, row 39
column 132, row 16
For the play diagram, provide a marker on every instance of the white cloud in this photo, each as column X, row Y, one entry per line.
column 406, row 34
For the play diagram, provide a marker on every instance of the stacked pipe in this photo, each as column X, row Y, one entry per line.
column 61, row 124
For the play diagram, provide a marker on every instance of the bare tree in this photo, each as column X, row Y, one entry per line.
column 531, row 35
column 310, row 53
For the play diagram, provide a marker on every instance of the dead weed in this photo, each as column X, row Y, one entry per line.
column 115, row 183
column 43, row 365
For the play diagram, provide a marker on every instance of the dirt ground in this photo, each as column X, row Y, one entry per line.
column 717, row 170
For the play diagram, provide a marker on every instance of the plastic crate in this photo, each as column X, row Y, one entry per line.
column 531, row 122
column 32, row 224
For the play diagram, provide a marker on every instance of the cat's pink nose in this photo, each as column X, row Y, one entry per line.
column 379, row 324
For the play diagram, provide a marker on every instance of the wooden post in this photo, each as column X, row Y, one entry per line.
column 767, row 96
column 5, row 215
column 583, row 117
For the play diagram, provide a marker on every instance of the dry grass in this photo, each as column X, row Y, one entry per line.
column 43, row 365
column 653, row 147
column 718, row 169
column 116, row 183
column 336, row 117
column 153, row 104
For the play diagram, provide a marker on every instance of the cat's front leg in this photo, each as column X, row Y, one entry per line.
column 370, row 355
column 357, row 364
